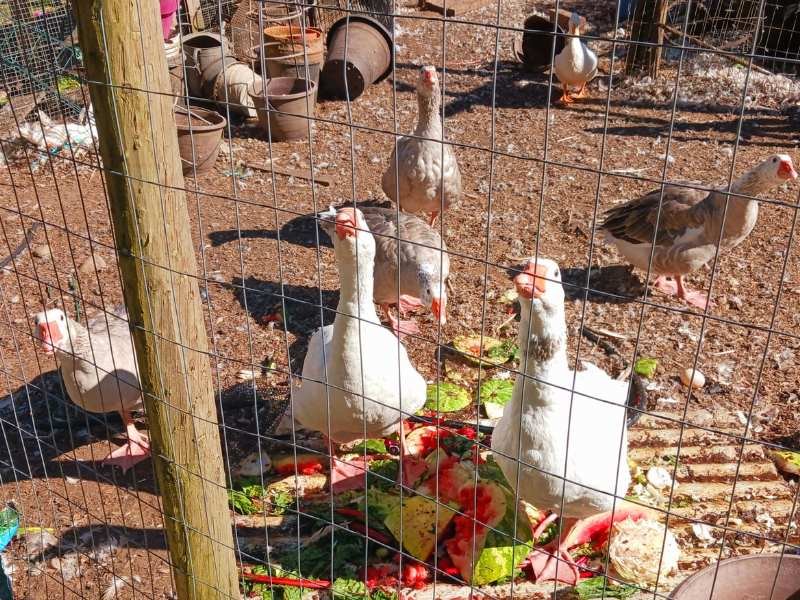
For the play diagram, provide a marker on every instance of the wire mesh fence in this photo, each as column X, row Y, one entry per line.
column 644, row 224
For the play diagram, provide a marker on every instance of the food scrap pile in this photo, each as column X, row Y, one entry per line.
column 455, row 520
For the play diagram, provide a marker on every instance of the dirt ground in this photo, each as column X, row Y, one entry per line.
column 256, row 251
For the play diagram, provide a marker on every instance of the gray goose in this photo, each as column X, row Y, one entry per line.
column 423, row 174
column 689, row 225
column 98, row 366
column 424, row 264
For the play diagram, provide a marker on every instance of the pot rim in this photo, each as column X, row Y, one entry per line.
column 259, row 93
column 205, row 113
column 718, row 565
column 252, row 54
column 314, row 33
column 375, row 24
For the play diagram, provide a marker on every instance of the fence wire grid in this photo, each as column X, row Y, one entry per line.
column 682, row 458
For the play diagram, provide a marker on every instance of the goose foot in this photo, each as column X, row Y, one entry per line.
column 557, row 566
column 135, row 451
column 565, row 97
column 693, row 297
column 666, row 285
column 432, row 218
column 402, row 327
column 553, row 561
column 581, row 92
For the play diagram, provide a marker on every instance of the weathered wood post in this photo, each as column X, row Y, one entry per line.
column 130, row 90
column 647, row 16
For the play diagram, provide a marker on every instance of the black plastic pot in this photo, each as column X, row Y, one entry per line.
column 360, row 51
column 537, row 42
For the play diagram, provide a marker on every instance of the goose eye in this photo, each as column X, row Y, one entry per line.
column 556, row 273
column 774, row 160
column 61, row 318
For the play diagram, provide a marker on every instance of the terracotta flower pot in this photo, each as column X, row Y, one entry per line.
column 287, row 65
column 359, row 54
column 200, row 51
column 284, row 112
column 199, row 137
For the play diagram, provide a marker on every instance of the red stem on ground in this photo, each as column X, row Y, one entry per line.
column 370, row 533
column 312, row 584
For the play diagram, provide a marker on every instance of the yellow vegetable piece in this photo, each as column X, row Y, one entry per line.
column 421, row 524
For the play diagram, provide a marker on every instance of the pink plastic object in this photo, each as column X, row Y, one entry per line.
column 168, row 10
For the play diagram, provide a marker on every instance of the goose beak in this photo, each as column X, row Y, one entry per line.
column 49, row 335
column 532, row 281
column 438, row 309
column 786, row 170
column 346, row 223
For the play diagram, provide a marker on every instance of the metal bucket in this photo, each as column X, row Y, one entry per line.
column 744, row 577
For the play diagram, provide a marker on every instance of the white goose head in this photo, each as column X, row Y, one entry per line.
column 352, row 237
column 52, row 330
column 541, row 298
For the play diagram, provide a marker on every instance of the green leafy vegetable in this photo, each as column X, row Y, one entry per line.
column 385, row 474
column 266, row 591
column 447, row 397
column 279, row 501
column 241, row 503
column 340, row 553
column 370, row 447
column 349, row 589
column 646, row 367
column 379, row 504
column 598, row 587
column 503, row 353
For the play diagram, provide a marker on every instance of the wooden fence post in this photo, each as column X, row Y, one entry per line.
column 647, row 16
column 126, row 68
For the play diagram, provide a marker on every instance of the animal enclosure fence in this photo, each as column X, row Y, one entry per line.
column 228, row 269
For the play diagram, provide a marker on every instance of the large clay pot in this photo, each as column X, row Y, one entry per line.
column 287, row 65
column 285, row 110
column 199, row 137
column 200, row 51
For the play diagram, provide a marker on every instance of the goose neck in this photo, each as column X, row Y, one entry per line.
column 356, row 284
column 429, row 123
column 543, row 341
column 80, row 346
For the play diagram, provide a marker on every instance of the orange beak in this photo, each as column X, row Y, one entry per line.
column 346, row 223
column 49, row 335
column 786, row 170
column 531, row 282
column 438, row 309
column 429, row 75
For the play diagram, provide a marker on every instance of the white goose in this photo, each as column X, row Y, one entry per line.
column 554, row 433
column 98, row 366
column 575, row 65
column 370, row 378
